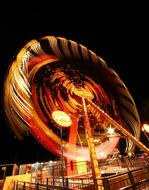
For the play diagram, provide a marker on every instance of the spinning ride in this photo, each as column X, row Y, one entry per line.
column 56, row 84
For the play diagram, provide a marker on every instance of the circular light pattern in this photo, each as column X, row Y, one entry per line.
column 51, row 75
column 61, row 118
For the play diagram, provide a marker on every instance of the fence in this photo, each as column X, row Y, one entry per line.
column 126, row 172
column 135, row 179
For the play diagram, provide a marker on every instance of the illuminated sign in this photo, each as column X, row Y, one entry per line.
column 61, row 118
column 81, row 92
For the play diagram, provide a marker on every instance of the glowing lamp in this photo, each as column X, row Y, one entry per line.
column 145, row 127
column 110, row 130
column 61, row 118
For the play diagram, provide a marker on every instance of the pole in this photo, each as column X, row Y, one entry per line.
column 93, row 157
column 62, row 156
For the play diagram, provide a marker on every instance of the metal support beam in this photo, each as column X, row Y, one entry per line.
column 93, row 157
column 122, row 129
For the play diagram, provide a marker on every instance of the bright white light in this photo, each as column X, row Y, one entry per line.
column 110, row 130
column 50, row 163
column 145, row 127
column 130, row 154
column 102, row 155
column 96, row 140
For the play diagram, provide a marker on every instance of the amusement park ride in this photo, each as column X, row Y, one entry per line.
column 66, row 96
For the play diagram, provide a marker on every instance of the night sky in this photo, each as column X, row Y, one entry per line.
column 123, row 46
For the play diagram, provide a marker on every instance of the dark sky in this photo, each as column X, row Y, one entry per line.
column 123, row 46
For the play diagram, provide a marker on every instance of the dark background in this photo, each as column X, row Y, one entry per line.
column 125, row 48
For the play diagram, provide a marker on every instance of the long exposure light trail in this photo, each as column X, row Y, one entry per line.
column 52, row 74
